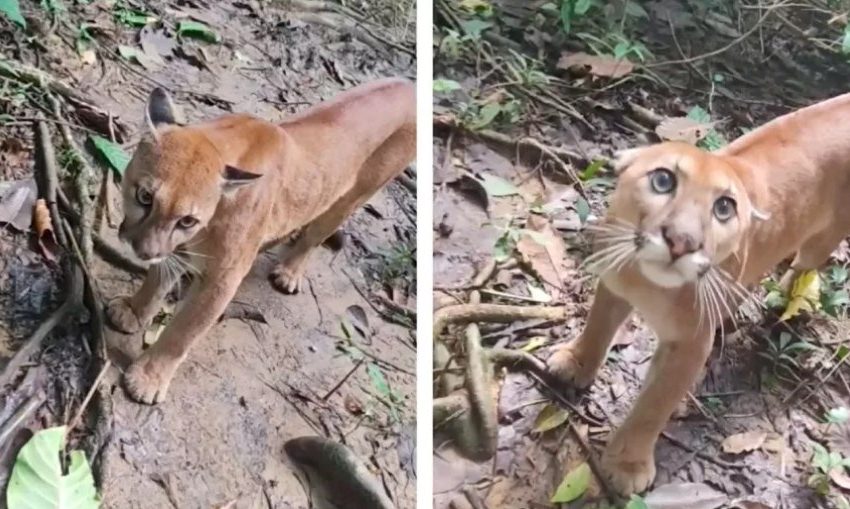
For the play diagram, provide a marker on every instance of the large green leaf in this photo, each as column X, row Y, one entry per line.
column 12, row 10
column 37, row 479
column 196, row 30
column 112, row 152
column 573, row 486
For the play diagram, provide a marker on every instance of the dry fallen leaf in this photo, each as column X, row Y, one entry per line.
column 683, row 129
column 545, row 253
column 687, row 495
column 43, row 227
column 805, row 295
column 743, row 442
column 597, row 65
column 16, row 203
column 839, row 477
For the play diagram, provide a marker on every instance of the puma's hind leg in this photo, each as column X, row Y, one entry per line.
column 814, row 253
column 386, row 162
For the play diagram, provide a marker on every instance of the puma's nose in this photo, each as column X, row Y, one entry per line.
column 679, row 244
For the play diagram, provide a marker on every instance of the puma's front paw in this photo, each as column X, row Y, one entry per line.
column 286, row 280
column 628, row 474
column 568, row 367
column 122, row 317
column 147, row 379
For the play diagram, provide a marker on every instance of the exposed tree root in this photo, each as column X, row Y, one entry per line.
column 465, row 313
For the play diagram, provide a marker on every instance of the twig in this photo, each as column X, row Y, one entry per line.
column 559, row 155
column 610, row 493
column 707, row 457
column 23, row 413
column 518, row 360
column 346, row 377
column 106, row 250
column 725, row 48
column 466, row 313
column 76, row 420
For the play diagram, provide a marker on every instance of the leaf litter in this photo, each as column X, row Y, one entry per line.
column 697, row 102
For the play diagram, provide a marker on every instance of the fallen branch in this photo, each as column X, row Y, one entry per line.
column 85, row 107
column 107, row 251
column 518, row 360
column 561, row 156
column 465, row 313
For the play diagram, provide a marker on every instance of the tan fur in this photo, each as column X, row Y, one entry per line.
column 249, row 184
column 791, row 181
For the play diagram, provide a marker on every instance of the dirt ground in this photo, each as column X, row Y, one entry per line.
column 264, row 377
column 702, row 54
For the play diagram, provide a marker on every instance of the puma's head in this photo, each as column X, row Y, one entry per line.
column 173, row 183
column 677, row 211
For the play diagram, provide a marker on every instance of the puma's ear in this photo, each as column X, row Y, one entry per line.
column 624, row 158
column 161, row 111
column 234, row 178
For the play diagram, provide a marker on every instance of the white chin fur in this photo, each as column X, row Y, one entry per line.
column 656, row 265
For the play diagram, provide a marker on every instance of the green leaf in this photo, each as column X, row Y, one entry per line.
column 12, row 10
column 550, row 418
column 497, row 186
column 533, row 344
column 112, row 153
column 636, row 502
column 37, row 481
column 134, row 18
column 573, row 486
column 582, row 6
column 475, row 27
column 486, row 115
column 582, row 209
column 566, row 15
column 196, row 30
column 378, row 379
column 635, row 10
column 443, row 85
column 591, row 170
column 698, row 114
column 838, row 415
column 845, row 41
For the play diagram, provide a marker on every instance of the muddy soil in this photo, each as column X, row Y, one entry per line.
column 592, row 116
column 252, row 383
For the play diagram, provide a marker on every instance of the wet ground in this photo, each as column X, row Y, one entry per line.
column 585, row 114
column 256, row 382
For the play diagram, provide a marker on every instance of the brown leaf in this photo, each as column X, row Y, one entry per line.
column 353, row 405
column 748, row 504
column 548, row 260
column 16, row 203
column 683, row 129
column 839, row 477
column 597, row 65
column 743, row 442
column 43, row 226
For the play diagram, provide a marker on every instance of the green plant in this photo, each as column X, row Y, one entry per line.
column 526, row 71
column 713, row 140
column 12, row 10
column 783, row 354
column 399, row 262
column 824, row 462
column 834, row 298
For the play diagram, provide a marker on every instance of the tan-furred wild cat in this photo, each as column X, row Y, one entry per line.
column 684, row 231
column 208, row 196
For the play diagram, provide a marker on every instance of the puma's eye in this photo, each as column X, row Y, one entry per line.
column 725, row 208
column 143, row 196
column 187, row 222
column 662, row 180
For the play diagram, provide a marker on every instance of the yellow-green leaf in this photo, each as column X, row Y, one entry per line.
column 573, row 486
column 805, row 295
column 550, row 417
column 534, row 344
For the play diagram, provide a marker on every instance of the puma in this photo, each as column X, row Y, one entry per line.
column 685, row 233
column 207, row 197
